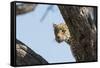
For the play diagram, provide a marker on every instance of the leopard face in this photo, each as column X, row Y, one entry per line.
column 61, row 32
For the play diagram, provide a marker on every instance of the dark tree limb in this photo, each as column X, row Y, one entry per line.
column 26, row 56
column 25, row 8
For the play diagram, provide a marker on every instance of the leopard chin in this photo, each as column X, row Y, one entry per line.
column 59, row 41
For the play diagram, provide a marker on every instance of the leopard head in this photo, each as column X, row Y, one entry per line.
column 61, row 32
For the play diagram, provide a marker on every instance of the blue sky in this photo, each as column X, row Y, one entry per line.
column 39, row 35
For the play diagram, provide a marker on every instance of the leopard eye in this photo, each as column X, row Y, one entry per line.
column 63, row 30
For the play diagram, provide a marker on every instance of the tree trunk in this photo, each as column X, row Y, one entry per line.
column 83, row 32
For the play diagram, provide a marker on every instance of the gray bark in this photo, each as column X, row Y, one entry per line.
column 83, row 31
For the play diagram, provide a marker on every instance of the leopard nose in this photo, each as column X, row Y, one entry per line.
column 58, row 37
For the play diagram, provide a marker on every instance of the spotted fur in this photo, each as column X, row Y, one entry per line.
column 61, row 32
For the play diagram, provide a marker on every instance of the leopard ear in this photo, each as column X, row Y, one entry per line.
column 54, row 25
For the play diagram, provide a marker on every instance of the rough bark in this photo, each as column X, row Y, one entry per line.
column 26, row 56
column 83, row 32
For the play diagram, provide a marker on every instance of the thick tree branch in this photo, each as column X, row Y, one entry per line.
column 82, row 30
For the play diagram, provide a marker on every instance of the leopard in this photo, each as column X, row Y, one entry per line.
column 62, row 32
column 80, row 50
